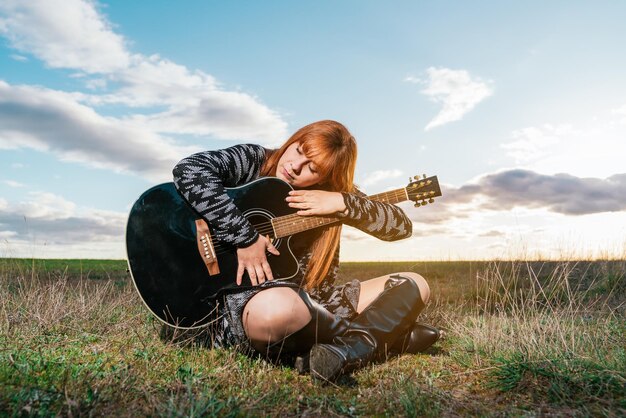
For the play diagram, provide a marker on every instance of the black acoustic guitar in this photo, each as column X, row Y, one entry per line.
column 180, row 270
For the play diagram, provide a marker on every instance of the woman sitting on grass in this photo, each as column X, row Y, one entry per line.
column 334, row 329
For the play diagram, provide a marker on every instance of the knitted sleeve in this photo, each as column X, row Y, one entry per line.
column 382, row 220
column 201, row 178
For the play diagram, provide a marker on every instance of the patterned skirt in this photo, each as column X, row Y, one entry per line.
column 226, row 330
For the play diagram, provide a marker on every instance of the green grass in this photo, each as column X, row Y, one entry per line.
column 522, row 338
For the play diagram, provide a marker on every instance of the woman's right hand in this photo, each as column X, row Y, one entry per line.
column 253, row 260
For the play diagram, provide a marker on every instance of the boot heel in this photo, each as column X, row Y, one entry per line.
column 325, row 364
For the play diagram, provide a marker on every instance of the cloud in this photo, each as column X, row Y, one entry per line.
column 455, row 90
column 64, row 34
column 19, row 58
column 54, row 220
column 584, row 148
column 154, row 96
column 620, row 110
column 533, row 142
column 53, row 121
column 14, row 184
column 481, row 208
column 559, row 193
column 380, row 175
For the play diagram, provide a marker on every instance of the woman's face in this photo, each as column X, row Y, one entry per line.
column 296, row 169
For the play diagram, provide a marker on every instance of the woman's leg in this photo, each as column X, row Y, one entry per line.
column 421, row 336
column 371, row 289
column 383, row 321
column 281, row 321
column 272, row 314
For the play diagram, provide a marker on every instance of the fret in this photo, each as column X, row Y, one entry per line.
column 293, row 224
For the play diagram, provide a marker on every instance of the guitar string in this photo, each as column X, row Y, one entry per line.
column 294, row 222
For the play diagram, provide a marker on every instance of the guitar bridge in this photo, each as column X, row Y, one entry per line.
column 206, row 248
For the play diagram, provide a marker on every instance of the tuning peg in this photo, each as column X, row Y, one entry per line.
column 416, row 177
column 410, row 179
column 432, row 192
column 431, row 200
column 424, row 176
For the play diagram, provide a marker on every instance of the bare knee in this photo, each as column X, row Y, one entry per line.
column 420, row 282
column 272, row 314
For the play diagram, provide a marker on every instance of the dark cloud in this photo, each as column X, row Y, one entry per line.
column 560, row 193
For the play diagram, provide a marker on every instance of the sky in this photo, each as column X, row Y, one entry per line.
column 519, row 109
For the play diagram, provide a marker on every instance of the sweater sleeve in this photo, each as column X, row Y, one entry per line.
column 383, row 220
column 201, row 178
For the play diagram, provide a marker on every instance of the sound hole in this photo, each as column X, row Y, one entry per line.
column 262, row 223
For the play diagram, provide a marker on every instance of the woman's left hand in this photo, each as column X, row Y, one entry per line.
column 316, row 202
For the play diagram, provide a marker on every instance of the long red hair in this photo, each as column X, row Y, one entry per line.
column 332, row 148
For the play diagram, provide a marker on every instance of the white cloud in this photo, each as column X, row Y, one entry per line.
column 380, row 175
column 455, row 90
column 620, row 112
column 14, row 184
column 46, row 219
column 64, row 34
column 533, row 142
column 45, row 205
column 585, row 148
column 19, row 58
column 73, row 34
column 412, row 79
column 54, row 121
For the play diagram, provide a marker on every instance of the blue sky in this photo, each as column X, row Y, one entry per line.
column 519, row 108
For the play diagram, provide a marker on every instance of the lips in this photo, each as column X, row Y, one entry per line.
column 287, row 175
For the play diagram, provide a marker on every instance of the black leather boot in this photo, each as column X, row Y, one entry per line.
column 323, row 327
column 388, row 317
column 417, row 340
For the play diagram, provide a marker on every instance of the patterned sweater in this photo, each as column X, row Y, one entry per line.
column 202, row 178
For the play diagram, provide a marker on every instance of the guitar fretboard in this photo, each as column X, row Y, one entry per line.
column 287, row 225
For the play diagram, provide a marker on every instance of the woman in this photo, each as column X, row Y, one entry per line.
column 341, row 327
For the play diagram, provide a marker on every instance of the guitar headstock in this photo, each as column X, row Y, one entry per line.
column 423, row 190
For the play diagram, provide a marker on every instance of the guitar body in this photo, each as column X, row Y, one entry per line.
column 163, row 257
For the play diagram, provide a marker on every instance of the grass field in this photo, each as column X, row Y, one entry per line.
column 522, row 339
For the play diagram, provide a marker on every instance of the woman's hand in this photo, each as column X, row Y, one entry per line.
column 316, row 202
column 253, row 260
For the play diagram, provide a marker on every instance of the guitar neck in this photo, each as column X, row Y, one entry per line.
column 292, row 224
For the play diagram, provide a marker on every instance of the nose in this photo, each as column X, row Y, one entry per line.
column 297, row 164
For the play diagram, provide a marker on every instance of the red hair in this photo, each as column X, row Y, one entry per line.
column 332, row 148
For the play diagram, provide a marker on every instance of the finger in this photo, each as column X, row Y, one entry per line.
column 273, row 250
column 307, row 212
column 252, row 275
column 240, row 270
column 296, row 199
column 268, row 270
column 260, row 274
column 301, row 205
column 270, row 246
column 297, row 192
